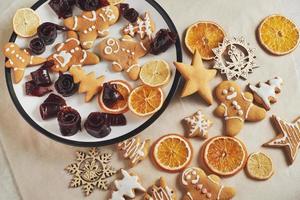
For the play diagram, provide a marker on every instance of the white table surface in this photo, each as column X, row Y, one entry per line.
column 31, row 165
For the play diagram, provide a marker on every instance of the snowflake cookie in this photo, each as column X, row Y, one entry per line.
column 197, row 125
column 235, row 58
column 90, row 170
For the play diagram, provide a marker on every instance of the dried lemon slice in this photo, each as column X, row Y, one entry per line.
column 278, row 34
column 25, row 22
column 115, row 2
column 259, row 166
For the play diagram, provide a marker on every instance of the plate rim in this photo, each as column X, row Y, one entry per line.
column 132, row 133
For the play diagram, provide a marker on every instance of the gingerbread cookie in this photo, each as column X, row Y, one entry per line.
column 70, row 54
column 134, row 149
column 266, row 93
column 160, row 191
column 89, row 84
column 197, row 78
column 236, row 107
column 19, row 59
column 92, row 24
column 144, row 27
column 199, row 186
column 197, row 125
column 124, row 54
column 126, row 186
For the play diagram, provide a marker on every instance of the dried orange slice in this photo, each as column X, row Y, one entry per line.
column 145, row 100
column 204, row 36
column 25, row 22
column 259, row 166
column 224, row 155
column 172, row 152
column 155, row 73
column 278, row 34
column 121, row 106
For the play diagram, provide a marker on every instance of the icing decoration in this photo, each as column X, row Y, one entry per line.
column 126, row 186
column 288, row 137
column 91, row 170
column 160, row 192
column 235, row 58
column 134, row 149
column 197, row 125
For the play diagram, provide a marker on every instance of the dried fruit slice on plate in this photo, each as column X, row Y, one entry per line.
column 259, row 166
column 204, row 36
column 145, row 100
column 26, row 22
column 172, row 153
column 115, row 2
column 224, row 155
column 278, row 34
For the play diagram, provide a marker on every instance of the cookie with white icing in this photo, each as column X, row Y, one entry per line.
column 160, row 191
column 18, row 59
column 93, row 24
column 199, row 186
column 236, row 107
column 266, row 93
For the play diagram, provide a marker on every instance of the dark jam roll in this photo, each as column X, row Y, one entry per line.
column 51, row 106
column 63, row 8
column 32, row 89
column 65, row 85
column 69, row 121
column 95, row 125
column 41, row 77
column 130, row 14
column 110, row 94
column 163, row 40
column 37, row 46
column 48, row 32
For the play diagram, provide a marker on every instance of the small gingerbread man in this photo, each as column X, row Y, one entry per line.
column 124, row 54
column 236, row 107
column 93, row 24
column 19, row 59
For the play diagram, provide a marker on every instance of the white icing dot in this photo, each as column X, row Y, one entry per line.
column 240, row 112
column 85, row 31
column 72, row 51
column 238, row 107
column 194, row 173
column 23, row 60
column 132, row 53
column 90, row 29
column 208, row 195
column 13, row 51
column 188, row 177
column 12, row 45
column 20, row 58
column 199, row 187
column 93, row 27
column 111, row 42
column 17, row 55
column 76, row 48
column 204, row 190
column 7, row 49
column 123, row 49
column 225, row 91
column 234, row 103
column 231, row 89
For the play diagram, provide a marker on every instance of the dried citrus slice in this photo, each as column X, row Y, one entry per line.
column 26, row 22
column 155, row 73
column 172, row 152
column 115, row 2
column 145, row 100
column 224, row 155
column 121, row 106
column 278, row 34
column 204, row 36
column 259, row 166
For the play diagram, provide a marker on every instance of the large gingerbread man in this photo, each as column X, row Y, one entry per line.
column 236, row 107
column 93, row 24
column 124, row 54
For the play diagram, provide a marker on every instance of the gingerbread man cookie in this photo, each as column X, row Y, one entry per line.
column 236, row 107
column 70, row 54
column 19, row 59
column 92, row 24
column 124, row 54
column 199, row 186
column 160, row 191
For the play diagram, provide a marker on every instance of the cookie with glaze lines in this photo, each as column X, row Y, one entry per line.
column 93, row 24
column 70, row 53
column 143, row 27
column 236, row 107
column 199, row 186
column 134, row 149
column 160, row 191
column 18, row 59
column 124, row 54
column 266, row 93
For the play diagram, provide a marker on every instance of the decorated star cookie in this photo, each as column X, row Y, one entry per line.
column 197, row 78
column 91, row 171
column 144, row 27
column 89, row 84
column 92, row 24
column 236, row 107
column 19, row 59
column 199, row 186
column 70, row 54
column 124, row 54
column 266, row 93
column 197, row 125
column 134, row 149
column 160, row 191
column 288, row 137
column 126, row 186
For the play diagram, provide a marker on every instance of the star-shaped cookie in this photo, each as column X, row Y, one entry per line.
column 288, row 137
column 197, row 78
